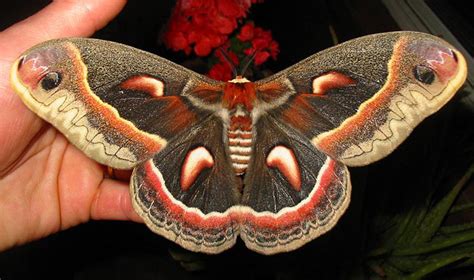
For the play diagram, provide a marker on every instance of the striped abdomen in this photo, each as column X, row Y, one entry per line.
column 240, row 141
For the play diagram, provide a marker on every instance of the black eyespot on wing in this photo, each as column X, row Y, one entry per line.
column 51, row 80
column 424, row 74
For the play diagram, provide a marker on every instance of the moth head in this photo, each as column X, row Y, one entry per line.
column 42, row 72
column 434, row 64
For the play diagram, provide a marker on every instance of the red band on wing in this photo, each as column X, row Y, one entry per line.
column 151, row 143
column 243, row 214
column 300, row 212
column 191, row 216
column 356, row 124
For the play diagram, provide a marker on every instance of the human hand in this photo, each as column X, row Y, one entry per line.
column 46, row 184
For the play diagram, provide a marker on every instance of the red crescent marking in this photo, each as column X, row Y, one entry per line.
column 115, row 123
column 380, row 100
column 196, row 161
column 329, row 81
column 284, row 159
column 150, row 85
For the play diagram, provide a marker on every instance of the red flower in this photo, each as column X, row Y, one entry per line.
column 262, row 42
column 203, row 47
column 221, row 71
column 230, row 54
column 224, row 25
column 232, row 8
column 246, row 32
column 274, row 49
column 261, row 57
column 202, row 25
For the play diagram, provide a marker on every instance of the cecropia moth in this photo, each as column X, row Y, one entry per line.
column 262, row 160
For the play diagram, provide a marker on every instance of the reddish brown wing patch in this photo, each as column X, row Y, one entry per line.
column 178, row 111
column 299, row 113
column 208, row 93
column 271, row 91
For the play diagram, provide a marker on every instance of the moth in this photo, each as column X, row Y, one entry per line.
column 265, row 160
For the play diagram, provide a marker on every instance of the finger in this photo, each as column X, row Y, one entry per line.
column 58, row 19
column 113, row 202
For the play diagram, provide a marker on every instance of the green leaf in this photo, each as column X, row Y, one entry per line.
column 392, row 272
column 436, row 215
column 430, row 247
column 456, row 228
column 414, row 262
column 462, row 207
column 433, row 267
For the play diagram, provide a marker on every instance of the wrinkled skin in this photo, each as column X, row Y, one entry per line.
column 46, row 184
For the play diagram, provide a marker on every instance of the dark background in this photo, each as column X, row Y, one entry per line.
column 123, row 250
